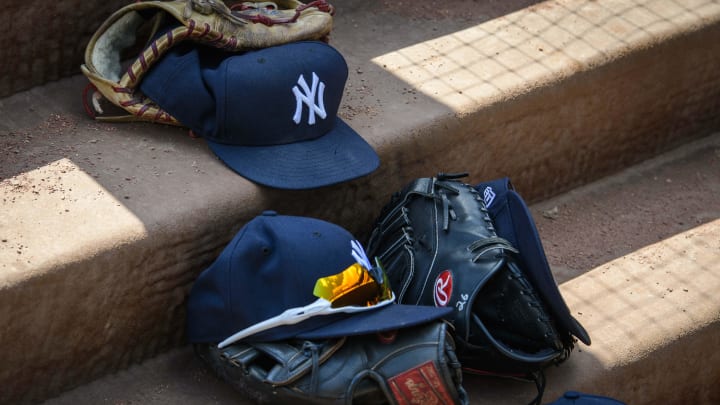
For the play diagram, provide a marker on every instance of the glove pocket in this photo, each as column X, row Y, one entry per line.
column 283, row 363
column 509, row 328
column 419, row 366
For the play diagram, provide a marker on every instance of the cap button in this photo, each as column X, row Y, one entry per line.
column 572, row 395
column 269, row 213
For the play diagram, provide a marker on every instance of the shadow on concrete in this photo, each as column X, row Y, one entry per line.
column 138, row 162
column 163, row 177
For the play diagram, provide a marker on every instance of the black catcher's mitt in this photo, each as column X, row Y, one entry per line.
column 416, row 365
column 439, row 246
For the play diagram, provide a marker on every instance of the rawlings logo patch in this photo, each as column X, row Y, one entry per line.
column 420, row 385
column 443, row 288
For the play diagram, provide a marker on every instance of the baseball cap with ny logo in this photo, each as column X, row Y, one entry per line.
column 269, row 114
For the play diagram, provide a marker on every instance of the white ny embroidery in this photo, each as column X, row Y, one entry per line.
column 307, row 97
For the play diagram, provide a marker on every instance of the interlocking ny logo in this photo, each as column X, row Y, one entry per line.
column 307, row 97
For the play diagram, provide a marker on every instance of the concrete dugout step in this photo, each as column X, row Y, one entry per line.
column 636, row 255
column 105, row 226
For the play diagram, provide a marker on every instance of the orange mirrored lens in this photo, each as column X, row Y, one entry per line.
column 353, row 286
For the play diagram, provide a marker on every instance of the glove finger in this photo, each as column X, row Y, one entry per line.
column 509, row 308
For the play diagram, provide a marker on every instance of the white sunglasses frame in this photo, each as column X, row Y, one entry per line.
column 298, row 314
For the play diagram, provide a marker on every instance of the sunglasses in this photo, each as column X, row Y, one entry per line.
column 355, row 289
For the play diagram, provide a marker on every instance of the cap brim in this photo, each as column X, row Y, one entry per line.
column 535, row 261
column 338, row 156
column 513, row 221
column 390, row 317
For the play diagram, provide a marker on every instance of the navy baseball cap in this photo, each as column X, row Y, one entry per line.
column 271, row 268
column 269, row 114
column 513, row 222
column 581, row 398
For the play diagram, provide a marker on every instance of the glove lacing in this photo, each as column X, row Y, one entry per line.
column 483, row 245
column 208, row 7
column 311, row 350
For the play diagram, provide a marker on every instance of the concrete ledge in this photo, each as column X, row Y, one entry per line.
column 650, row 309
column 653, row 316
column 46, row 41
column 104, row 227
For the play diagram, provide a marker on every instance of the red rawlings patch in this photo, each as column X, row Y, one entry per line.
column 443, row 288
column 420, row 386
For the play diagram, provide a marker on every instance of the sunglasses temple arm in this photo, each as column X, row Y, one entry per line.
column 288, row 317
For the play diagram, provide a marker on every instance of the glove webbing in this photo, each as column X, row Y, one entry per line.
column 210, row 6
column 219, row 7
column 321, row 5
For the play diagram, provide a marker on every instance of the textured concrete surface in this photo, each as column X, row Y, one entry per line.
column 112, row 222
column 645, row 293
column 45, row 41
column 577, row 88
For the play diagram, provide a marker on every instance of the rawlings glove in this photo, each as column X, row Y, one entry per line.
column 439, row 246
column 242, row 27
column 416, row 365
